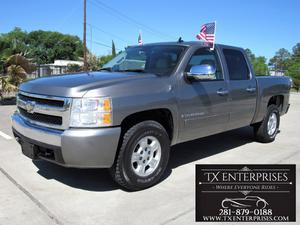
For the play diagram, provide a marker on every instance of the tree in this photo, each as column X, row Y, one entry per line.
column 104, row 59
column 93, row 62
column 281, row 59
column 73, row 68
column 250, row 55
column 113, row 49
column 42, row 46
column 294, row 72
column 14, row 42
column 2, row 64
column 296, row 50
column 6, row 86
column 259, row 63
column 18, row 67
column 46, row 46
column 260, row 66
column 293, row 69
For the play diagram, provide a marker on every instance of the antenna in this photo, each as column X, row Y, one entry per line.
column 180, row 40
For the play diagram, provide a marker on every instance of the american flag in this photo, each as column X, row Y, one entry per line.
column 140, row 41
column 207, row 32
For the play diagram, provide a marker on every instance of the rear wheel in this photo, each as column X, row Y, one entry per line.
column 143, row 156
column 267, row 130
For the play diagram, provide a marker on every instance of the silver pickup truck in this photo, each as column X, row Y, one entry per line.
column 126, row 116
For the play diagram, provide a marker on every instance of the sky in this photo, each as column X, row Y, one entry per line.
column 264, row 26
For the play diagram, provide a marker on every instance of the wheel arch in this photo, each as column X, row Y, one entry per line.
column 163, row 116
column 276, row 100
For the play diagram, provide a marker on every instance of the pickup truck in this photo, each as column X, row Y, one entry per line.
column 126, row 116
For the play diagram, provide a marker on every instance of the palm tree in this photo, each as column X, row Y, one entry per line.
column 6, row 86
column 17, row 67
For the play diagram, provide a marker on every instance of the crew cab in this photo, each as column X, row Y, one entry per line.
column 126, row 116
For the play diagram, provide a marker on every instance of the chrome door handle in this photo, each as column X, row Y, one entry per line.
column 251, row 89
column 222, row 92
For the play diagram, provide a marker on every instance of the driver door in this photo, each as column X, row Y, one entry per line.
column 203, row 104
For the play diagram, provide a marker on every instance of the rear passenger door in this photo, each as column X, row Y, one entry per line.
column 242, row 88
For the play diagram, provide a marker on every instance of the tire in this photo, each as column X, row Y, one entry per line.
column 138, row 150
column 261, row 131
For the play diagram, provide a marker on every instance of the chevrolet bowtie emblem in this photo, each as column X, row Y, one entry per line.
column 30, row 106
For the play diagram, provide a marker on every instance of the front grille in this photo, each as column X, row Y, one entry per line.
column 42, row 118
column 48, row 111
column 42, row 101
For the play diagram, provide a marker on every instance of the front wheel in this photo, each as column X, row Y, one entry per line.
column 143, row 156
column 267, row 130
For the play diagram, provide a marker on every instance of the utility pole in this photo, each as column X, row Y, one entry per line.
column 84, row 37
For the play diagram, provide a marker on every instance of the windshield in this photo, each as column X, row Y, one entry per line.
column 159, row 59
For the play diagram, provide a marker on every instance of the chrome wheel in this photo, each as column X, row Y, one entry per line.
column 146, row 156
column 272, row 124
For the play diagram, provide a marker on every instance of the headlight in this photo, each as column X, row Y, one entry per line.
column 91, row 112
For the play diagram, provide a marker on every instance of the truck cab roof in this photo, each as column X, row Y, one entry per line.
column 189, row 44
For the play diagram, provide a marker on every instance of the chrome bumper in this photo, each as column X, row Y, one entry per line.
column 44, row 135
column 80, row 148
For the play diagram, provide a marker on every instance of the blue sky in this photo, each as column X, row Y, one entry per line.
column 263, row 26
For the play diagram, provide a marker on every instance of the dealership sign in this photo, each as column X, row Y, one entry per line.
column 245, row 193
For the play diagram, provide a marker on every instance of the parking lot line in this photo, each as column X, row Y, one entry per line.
column 5, row 136
column 31, row 197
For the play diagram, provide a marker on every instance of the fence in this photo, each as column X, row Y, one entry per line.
column 47, row 70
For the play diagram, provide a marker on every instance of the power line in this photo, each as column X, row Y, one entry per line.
column 109, row 12
column 67, row 17
column 120, row 15
column 103, row 44
column 108, row 33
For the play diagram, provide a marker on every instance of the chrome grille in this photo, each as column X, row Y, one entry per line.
column 43, row 110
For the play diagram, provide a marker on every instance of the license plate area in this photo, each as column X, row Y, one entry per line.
column 29, row 150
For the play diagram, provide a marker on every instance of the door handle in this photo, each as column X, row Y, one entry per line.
column 250, row 89
column 222, row 92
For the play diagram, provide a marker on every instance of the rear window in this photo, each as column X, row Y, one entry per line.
column 236, row 64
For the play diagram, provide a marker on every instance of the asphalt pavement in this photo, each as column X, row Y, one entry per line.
column 43, row 193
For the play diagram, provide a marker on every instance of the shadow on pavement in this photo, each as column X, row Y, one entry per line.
column 181, row 154
column 86, row 179
column 204, row 147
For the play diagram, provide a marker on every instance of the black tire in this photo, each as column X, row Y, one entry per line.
column 122, row 171
column 261, row 129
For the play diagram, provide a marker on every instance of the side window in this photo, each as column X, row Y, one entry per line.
column 205, row 56
column 237, row 65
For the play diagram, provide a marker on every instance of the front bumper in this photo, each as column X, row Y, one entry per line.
column 80, row 148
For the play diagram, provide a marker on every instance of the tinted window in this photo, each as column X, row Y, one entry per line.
column 205, row 56
column 236, row 64
column 157, row 59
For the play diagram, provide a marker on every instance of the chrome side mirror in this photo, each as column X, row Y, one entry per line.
column 202, row 72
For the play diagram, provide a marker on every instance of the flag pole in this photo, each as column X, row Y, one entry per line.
column 140, row 39
column 215, row 36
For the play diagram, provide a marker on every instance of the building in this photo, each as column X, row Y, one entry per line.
column 275, row 72
column 56, row 68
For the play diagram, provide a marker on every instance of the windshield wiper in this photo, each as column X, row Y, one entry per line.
column 132, row 70
column 107, row 69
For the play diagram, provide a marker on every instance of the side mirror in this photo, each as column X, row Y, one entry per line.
column 202, row 72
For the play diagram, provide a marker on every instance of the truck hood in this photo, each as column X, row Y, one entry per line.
column 76, row 85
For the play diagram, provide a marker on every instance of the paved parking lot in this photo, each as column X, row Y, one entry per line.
column 43, row 193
